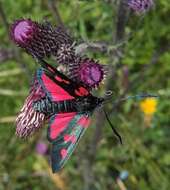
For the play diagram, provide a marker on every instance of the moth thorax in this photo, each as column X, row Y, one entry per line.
column 88, row 103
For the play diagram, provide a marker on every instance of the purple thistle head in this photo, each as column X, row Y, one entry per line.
column 38, row 39
column 41, row 148
column 29, row 120
column 140, row 6
column 90, row 73
column 23, row 31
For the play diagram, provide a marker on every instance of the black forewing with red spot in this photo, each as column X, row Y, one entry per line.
column 57, row 84
column 65, row 129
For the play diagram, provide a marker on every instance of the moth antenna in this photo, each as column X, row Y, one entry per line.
column 113, row 129
column 139, row 96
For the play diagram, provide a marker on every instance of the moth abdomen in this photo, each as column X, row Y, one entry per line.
column 46, row 106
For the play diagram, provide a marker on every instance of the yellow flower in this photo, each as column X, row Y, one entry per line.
column 148, row 106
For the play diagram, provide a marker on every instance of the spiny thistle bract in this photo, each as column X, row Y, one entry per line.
column 140, row 6
column 29, row 121
column 66, row 54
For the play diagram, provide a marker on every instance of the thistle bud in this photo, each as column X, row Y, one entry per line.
column 140, row 6
column 41, row 148
column 39, row 40
column 90, row 73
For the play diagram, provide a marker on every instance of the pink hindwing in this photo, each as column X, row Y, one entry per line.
column 65, row 136
column 58, row 123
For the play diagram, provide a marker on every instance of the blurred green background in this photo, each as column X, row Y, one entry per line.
column 138, row 53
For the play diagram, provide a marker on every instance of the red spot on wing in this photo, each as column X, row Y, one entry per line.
column 84, row 121
column 50, row 68
column 63, row 153
column 71, row 138
column 62, row 80
column 58, row 78
column 81, row 91
column 60, row 123
column 66, row 81
column 57, row 92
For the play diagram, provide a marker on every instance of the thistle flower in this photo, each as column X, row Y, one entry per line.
column 140, row 6
column 41, row 148
column 29, row 120
column 88, row 72
column 39, row 40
